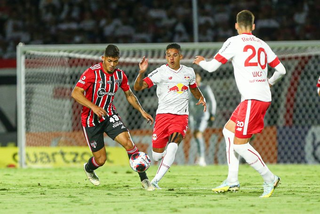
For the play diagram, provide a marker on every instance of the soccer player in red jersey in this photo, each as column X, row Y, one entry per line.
column 95, row 91
column 173, row 82
column 249, row 56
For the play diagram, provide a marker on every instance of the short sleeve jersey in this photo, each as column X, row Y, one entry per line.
column 172, row 88
column 318, row 84
column 100, row 88
column 250, row 57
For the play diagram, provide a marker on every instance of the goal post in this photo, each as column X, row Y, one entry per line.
column 49, row 118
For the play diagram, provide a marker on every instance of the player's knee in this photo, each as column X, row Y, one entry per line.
column 101, row 160
column 156, row 156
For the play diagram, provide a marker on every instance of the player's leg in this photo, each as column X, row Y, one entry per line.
column 232, row 158
column 198, row 137
column 117, row 131
column 168, row 158
column 201, row 125
column 232, row 182
column 125, row 140
column 255, row 111
column 94, row 139
column 164, row 133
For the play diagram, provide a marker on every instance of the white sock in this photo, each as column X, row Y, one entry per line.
column 254, row 159
column 167, row 161
column 232, row 159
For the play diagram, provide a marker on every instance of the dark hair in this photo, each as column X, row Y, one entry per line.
column 174, row 46
column 112, row 51
column 245, row 18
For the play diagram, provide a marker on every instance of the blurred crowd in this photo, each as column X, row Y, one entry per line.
column 148, row 21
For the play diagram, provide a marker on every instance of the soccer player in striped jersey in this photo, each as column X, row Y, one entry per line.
column 95, row 91
column 173, row 82
column 249, row 56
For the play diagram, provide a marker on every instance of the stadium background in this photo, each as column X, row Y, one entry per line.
column 288, row 129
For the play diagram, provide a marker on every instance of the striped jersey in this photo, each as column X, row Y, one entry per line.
column 172, row 88
column 100, row 88
column 249, row 56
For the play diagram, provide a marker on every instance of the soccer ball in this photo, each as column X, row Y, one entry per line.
column 140, row 162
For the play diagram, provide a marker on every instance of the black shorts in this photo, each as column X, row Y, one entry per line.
column 112, row 126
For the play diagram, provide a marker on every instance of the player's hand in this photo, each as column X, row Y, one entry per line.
column 198, row 59
column 202, row 101
column 148, row 117
column 143, row 65
column 100, row 112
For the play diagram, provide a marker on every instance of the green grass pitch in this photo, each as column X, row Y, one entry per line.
column 186, row 189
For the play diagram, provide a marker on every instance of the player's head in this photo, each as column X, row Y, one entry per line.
column 110, row 58
column 245, row 21
column 112, row 51
column 173, row 55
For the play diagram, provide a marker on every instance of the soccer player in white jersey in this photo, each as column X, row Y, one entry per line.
column 173, row 81
column 199, row 120
column 249, row 56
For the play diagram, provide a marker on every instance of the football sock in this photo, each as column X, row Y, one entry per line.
column 167, row 161
column 132, row 151
column 254, row 159
column 142, row 175
column 232, row 159
column 156, row 156
column 91, row 165
column 201, row 147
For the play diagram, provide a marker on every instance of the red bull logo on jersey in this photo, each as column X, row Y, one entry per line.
column 179, row 88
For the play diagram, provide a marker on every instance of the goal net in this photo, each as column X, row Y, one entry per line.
column 49, row 118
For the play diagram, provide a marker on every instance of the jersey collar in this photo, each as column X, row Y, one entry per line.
column 175, row 71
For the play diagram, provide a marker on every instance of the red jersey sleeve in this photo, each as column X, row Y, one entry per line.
column 318, row 84
column 148, row 81
column 125, row 84
column 86, row 79
column 193, row 85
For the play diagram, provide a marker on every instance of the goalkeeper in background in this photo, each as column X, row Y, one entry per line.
column 95, row 91
column 249, row 56
column 199, row 120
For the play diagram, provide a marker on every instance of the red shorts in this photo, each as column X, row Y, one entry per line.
column 165, row 125
column 249, row 116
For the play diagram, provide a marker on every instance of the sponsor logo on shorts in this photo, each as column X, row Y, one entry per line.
column 116, row 124
column 93, row 144
column 154, row 137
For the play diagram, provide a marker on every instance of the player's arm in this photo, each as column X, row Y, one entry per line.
column 199, row 96
column 210, row 66
column 280, row 71
column 212, row 101
column 133, row 100
column 139, row 84
column 78, row 95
